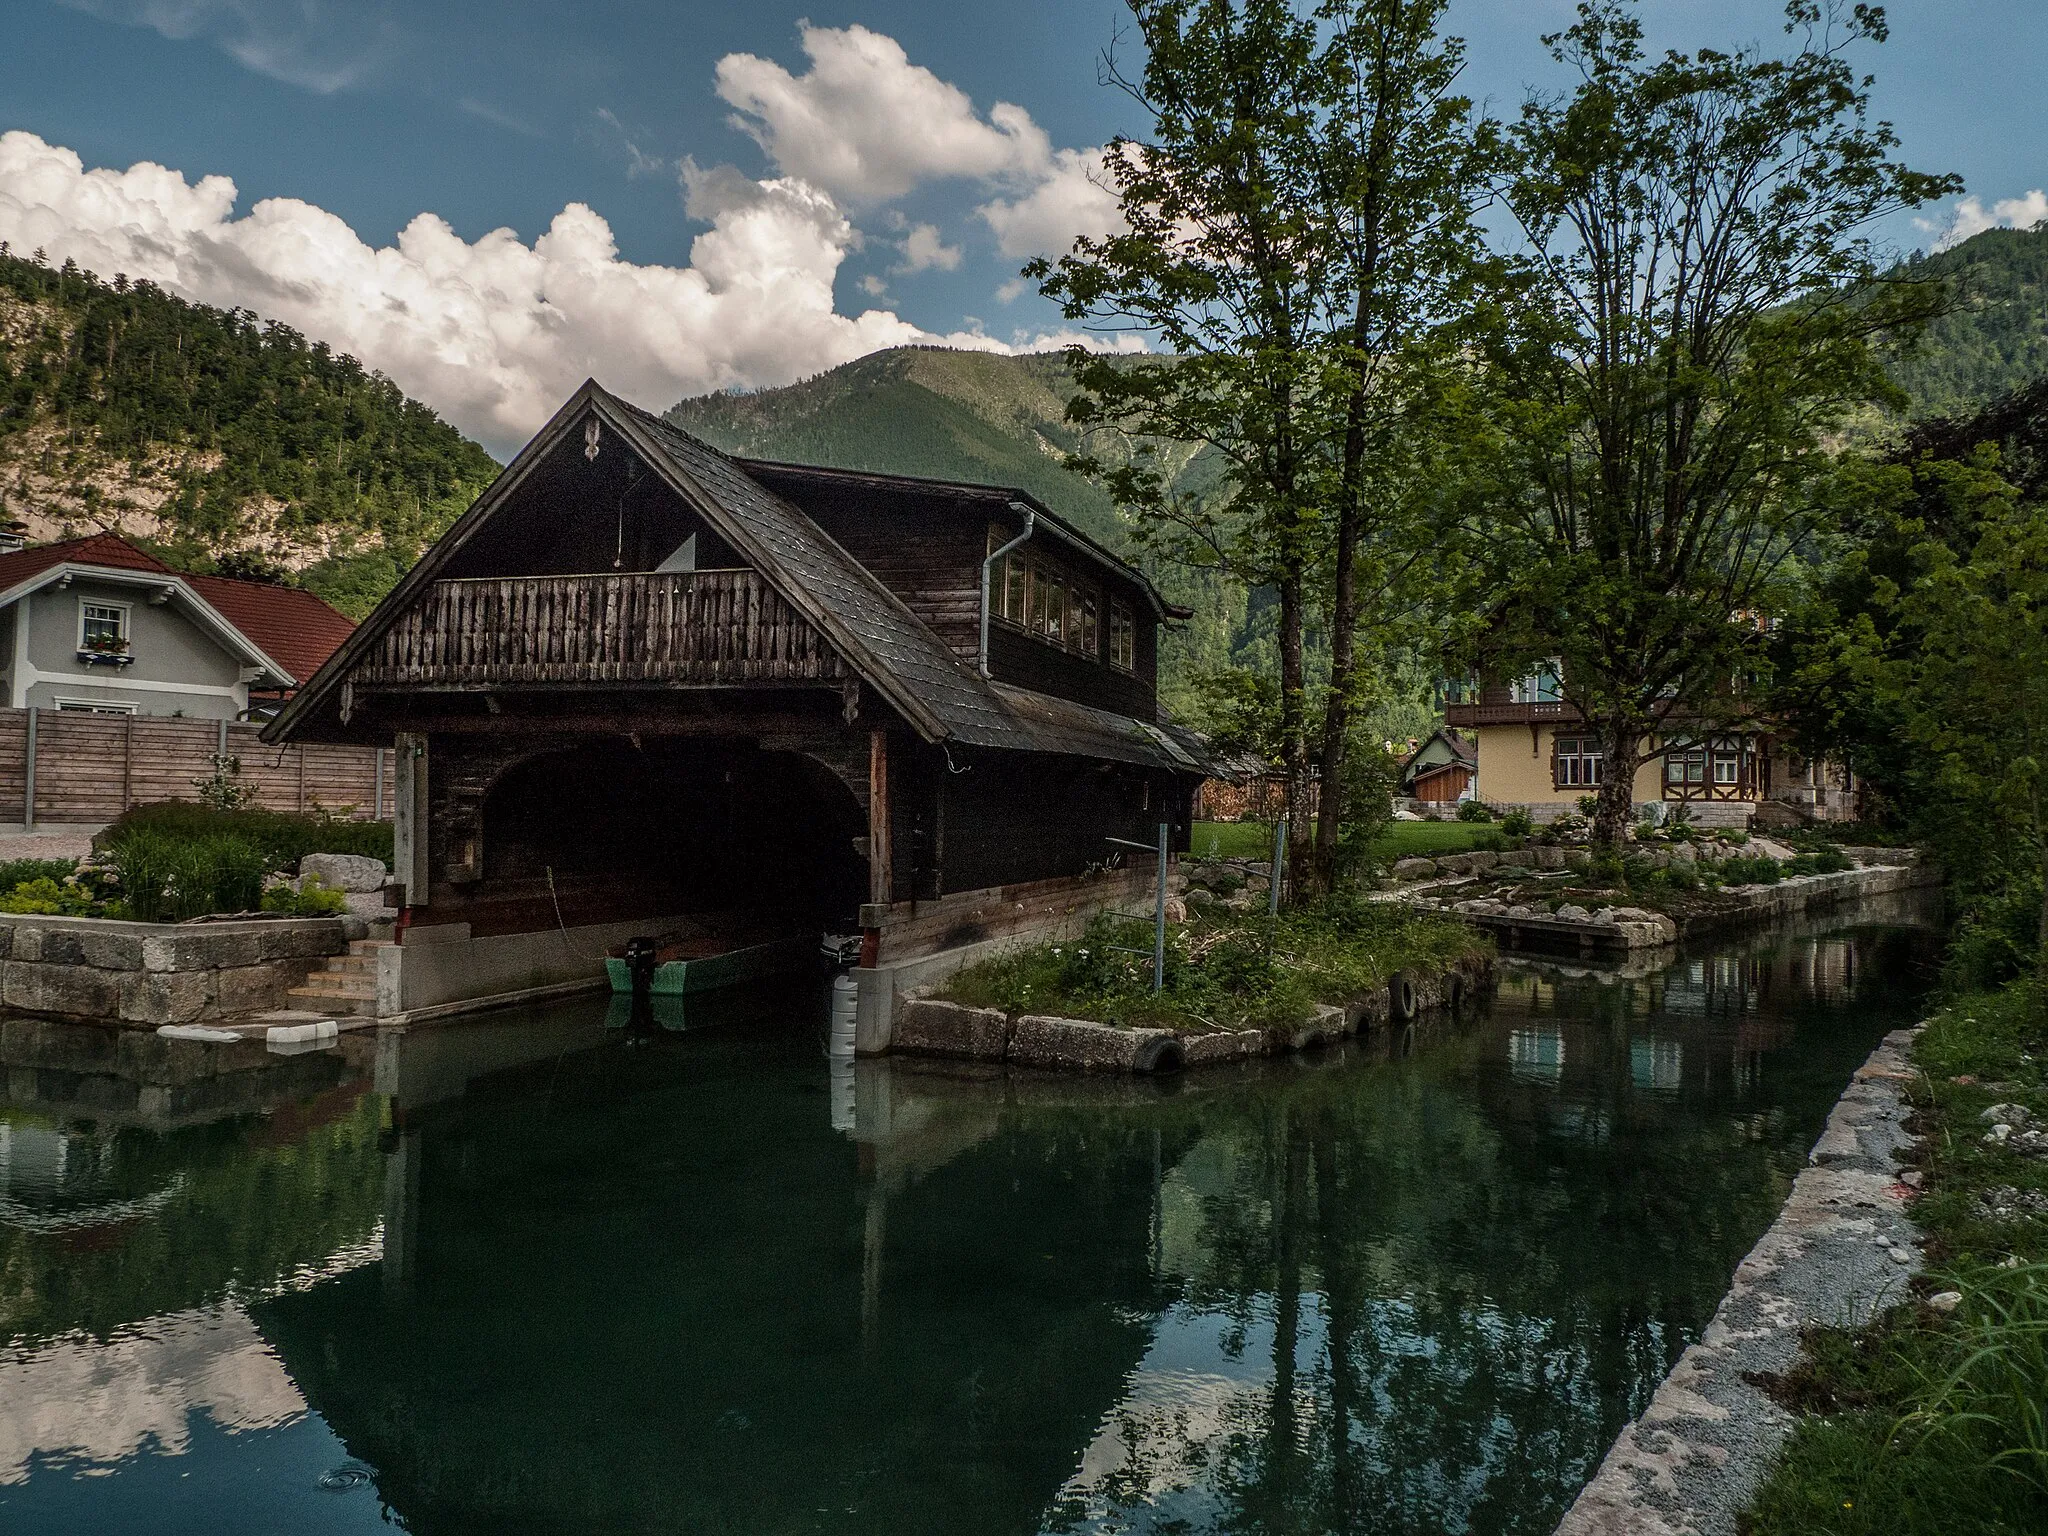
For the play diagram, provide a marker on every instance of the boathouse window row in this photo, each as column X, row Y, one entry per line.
column 1049, row 601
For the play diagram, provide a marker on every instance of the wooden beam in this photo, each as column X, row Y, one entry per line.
column 880, row 854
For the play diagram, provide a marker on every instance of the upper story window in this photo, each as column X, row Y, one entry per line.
column 1543, row 686
column 103, row 628
column 1046, row 599
column 1123, row 637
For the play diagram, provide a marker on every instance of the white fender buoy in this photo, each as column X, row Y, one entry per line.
column 845, row 997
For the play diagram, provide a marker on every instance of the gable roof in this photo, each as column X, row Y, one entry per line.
column 289, row 623
column 1464, row 751
column 286, row 632
column 105, row 549
column 989, row 500
column 895, row 652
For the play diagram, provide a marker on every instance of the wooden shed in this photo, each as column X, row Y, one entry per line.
column 639, row 678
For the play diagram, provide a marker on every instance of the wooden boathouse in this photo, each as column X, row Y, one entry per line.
column 643, row 683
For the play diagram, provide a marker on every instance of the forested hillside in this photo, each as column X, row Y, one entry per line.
column 1997, row 338
column 223, row 441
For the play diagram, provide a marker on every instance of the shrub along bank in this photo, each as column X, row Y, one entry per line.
column 1935, row 1419
column 1222, row 971
column 173, row 861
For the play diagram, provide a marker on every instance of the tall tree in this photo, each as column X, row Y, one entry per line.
column 1299, row 224
column 1693, row 317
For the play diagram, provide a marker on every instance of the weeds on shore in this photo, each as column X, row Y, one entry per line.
column 1935, row 1418
column 1220, row 974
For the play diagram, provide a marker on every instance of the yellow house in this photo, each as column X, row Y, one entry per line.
column 1536, row 753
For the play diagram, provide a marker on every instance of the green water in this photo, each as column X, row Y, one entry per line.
column 522, row 1275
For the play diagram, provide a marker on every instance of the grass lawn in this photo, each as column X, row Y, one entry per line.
column 1403, row 839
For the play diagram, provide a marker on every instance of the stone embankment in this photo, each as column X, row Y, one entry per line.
column 104, row 971
column 931, row 1027
column 1520, row 923
column 1842, row 1249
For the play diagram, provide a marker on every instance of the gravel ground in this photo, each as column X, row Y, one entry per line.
column 68, row 844
column 1841, row 1250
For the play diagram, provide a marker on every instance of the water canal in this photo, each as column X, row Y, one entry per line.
column 519, row 1275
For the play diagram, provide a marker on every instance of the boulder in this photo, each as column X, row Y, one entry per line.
column 1454, row 863
column 1544, row 858
column 1764, row 847
column 1577, row 858
column 1414, row 869
column 927, row 1027
column 1223, row 1045
column 1071, row 1045
column 1480, row 860
column 1683, row 854
column 1569, row 913
column 345, row 871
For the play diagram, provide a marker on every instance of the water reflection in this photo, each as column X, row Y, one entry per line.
column 704, row 1282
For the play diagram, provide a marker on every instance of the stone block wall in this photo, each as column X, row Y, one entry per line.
column 148, row 974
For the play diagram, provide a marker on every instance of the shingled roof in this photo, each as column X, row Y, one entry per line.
column 891, row 648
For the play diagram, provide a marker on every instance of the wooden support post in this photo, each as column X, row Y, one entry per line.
column 880, row 855
column 377, row 804
column 28, row 776
column 409, row 829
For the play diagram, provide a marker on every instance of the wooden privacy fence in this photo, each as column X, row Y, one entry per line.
column 685, row 627
column 68, row 767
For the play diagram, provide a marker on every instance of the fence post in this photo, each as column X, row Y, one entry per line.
column 28, row 776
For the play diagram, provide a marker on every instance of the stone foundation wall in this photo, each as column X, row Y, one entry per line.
column 148, row 974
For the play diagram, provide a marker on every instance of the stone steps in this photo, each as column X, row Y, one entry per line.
column 346, row 984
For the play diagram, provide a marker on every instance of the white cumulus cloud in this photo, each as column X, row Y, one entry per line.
column 923, row 250
column 493, row 333
column 1074, row 198
column 1971, row 217
column 867, row 125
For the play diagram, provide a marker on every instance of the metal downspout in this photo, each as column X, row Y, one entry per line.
column 1030, row 526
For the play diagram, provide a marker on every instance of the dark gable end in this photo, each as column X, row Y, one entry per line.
column 942, row 697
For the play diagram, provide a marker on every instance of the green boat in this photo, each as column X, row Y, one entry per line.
column 703, row 963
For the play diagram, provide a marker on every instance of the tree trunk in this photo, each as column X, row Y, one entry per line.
column 1294, row 760
column 1336, row 742
column 1620, row 745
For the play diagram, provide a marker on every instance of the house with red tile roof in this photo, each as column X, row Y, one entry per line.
column 98, row 625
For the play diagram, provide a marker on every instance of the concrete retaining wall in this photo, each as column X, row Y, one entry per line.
column 153, row 973
column 444, row 970
column 1842, row 1249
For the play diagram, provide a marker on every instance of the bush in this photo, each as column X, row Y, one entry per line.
column 1829, row 861
column 1589, row 806
column 15, row 872
column 167, row 877
column 1746, row 870
column 282, row 838
column 51, row 898
column 1474, row 810
column 1517, row 823
column 310, row 899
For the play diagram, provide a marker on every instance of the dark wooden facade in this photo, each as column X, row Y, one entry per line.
column 640, row 679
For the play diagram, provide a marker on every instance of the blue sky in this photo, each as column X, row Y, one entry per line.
column 369, row 114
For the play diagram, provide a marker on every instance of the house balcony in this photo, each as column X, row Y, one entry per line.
column 1551, row 711
column 697, row 628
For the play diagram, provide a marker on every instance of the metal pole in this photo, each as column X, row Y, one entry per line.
column 1159, row 915
column 1279, row 863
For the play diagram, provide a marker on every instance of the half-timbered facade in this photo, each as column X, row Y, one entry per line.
column 640, row 678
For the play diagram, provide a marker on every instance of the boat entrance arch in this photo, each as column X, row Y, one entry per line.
column 682, row 826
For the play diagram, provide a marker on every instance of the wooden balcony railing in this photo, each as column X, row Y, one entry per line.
column 1508, row 714
column 693, row 627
